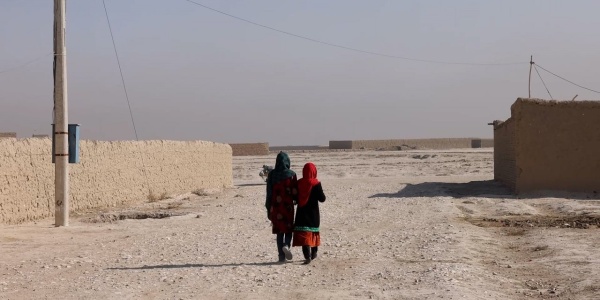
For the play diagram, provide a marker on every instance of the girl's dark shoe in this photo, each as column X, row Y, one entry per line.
column 306, row 252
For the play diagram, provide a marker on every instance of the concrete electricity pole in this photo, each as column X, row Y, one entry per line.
column 61, row 134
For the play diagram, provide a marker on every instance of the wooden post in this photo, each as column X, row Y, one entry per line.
column 61, row 167
column 530, row 67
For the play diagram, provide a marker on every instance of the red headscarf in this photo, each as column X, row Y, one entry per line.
column 305, row 185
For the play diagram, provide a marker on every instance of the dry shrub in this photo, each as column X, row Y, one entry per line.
column 174, row 205
column 516, row 232
column 152, row 197
column 200, row 192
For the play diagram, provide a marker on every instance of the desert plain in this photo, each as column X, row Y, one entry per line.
column 417, row 224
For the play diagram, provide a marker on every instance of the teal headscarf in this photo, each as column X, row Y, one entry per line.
column 281, row 172
column 282, row 168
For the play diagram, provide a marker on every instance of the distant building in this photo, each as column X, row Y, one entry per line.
column 8, row 135
column 245, row 149
column 412, row 144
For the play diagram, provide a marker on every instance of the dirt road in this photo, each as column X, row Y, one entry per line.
column 396, row 225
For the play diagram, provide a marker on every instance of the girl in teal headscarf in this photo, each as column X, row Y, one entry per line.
column 282, row 192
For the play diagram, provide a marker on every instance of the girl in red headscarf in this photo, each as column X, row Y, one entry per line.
column 306, row 227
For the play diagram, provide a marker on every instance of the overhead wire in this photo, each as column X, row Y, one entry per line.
column 25, row 64
column 120, row 70
column 538, row 72
column 350, row 48
column 567, row 80
column 126, row 96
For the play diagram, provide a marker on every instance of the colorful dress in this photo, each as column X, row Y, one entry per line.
column 281, row 192
column 310, row 193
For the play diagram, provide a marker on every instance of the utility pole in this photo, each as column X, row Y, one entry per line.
column 530, row 67
column 61, row 121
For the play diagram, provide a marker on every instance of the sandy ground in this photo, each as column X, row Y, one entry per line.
column 396, row 225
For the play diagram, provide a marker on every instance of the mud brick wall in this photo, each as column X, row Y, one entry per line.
column 250, row 149
column 441, row 143
column 109, row 174
column 476, row 143
column 297, row 148
column 487, row 143
column 558, row 145
column 8, row 135
column 505, row 165
column 340, row 144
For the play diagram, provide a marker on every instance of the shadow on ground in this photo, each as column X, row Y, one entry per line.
column 184, row 266
column 481, row 189
column 485, row 188
column 250, row 184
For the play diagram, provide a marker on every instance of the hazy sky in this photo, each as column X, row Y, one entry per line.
column 192, row 73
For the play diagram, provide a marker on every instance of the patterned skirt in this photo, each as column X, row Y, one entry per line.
column 306, row 238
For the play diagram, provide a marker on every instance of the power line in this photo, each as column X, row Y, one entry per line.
column 538, row 72
column 24, row 64
column 350, row 48
column 569, row 81
column 120, row 70
column 126, row 95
